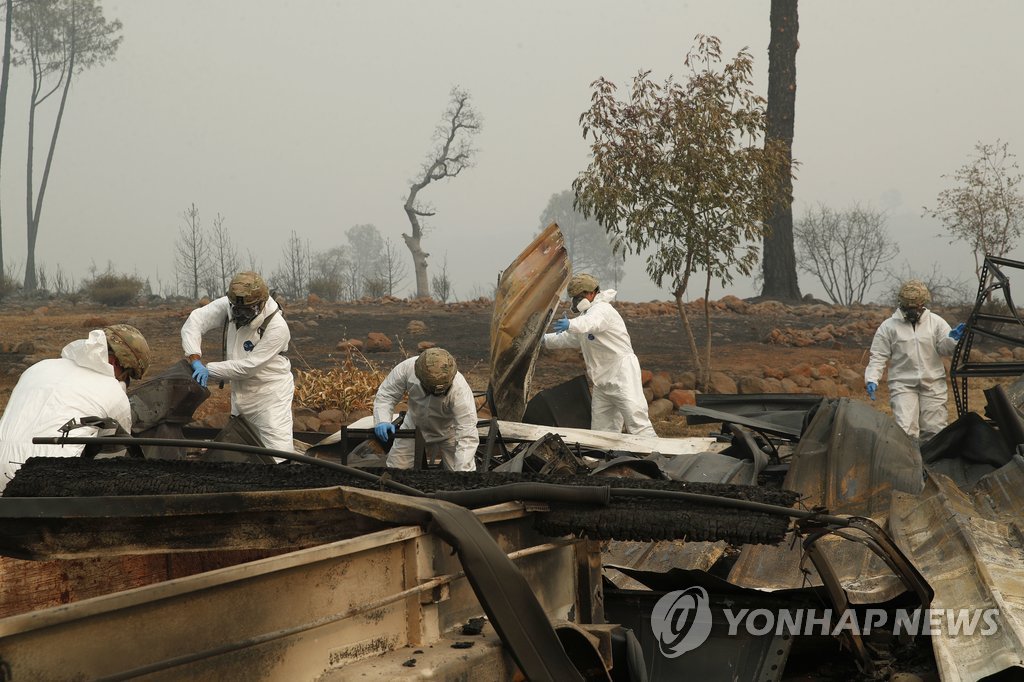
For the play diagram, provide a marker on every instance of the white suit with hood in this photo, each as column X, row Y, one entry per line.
column 917, row 375
column 618, row 395
column 447, row 422
column 80, row 383
column 262, row 386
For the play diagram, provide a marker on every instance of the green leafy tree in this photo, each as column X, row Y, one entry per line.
column 844, row 250
column 61, row 39
column 679, row 171
column 985, row 207
column 586, row 242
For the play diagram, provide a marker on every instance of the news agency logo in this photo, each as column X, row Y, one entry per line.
column 681, row 621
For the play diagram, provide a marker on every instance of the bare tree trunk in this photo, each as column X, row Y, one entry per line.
column 33, row 219
column 419, row 256
column 5, row 72
column 779, row 262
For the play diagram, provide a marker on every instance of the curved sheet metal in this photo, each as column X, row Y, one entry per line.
column 850, row 460
column 528, row 292
column 968, row 547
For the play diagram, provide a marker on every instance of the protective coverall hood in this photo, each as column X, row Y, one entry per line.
column 80, row 383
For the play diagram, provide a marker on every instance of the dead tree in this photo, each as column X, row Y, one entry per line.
column 779, row 261
column 453, row 154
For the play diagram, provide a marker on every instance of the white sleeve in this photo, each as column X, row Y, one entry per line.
column 595, row 320
column 391, row 391
column 211, row 316
column 561, row 340
column 881, row 350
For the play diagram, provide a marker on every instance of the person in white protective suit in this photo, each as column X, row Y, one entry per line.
column 88, row 380
column 441, row 406
column 617, row 398
column 912, row 342
column 256, row 337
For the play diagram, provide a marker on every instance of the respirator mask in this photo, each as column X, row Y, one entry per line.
column 580, row 303
column 244, row 313
column 912, row 314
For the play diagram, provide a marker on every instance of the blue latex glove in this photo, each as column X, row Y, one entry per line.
column 383, row 430
column 872, row 387
column 956, row 332
column 200, row 373
column 562, row 325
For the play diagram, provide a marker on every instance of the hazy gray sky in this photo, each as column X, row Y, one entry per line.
column 313, row 115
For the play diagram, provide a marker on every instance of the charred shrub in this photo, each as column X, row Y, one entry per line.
column 113, row 289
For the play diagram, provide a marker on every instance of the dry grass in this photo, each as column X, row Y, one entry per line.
column 350, row 385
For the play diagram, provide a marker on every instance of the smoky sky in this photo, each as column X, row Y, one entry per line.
column 313, row 116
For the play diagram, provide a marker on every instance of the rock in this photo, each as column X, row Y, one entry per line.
column 24, row 348
column 827, row 371
column 788, row 386
column 645, row 376
column 218, row 420
column 661, row 408
column 313, row 300
column 330, row 427
column 1018, row 353
column 423, row 345
column 851, row 378
column 660, row 384
column 357, row 414
column 772, row 373
column 298, row 412
column 350, row 344
column 305, row 423
column 377, row 343
column 416, row 327
column 824, row 387
column 687, row 381
column 648, row 394
column 801, row 370
column 750, row 385
column 332, row 415
column 720, row 382
column 773, row 385
column 800, row 380
column 680, row 397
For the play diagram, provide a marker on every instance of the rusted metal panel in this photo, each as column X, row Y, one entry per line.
column 528, row 292
column 850, row 460
column 969, row 548
column 80, row 527
column 301, row 615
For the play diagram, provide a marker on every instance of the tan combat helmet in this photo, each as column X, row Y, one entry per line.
column 582, row 283
column 435, row 368
column 248, row 286
column 914, row 294
column 130, row 348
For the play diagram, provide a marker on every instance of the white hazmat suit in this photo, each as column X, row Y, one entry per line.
column 618, row 395
column 80, row 383
column 447, row 422
column 262, row 386
column 917, row 375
